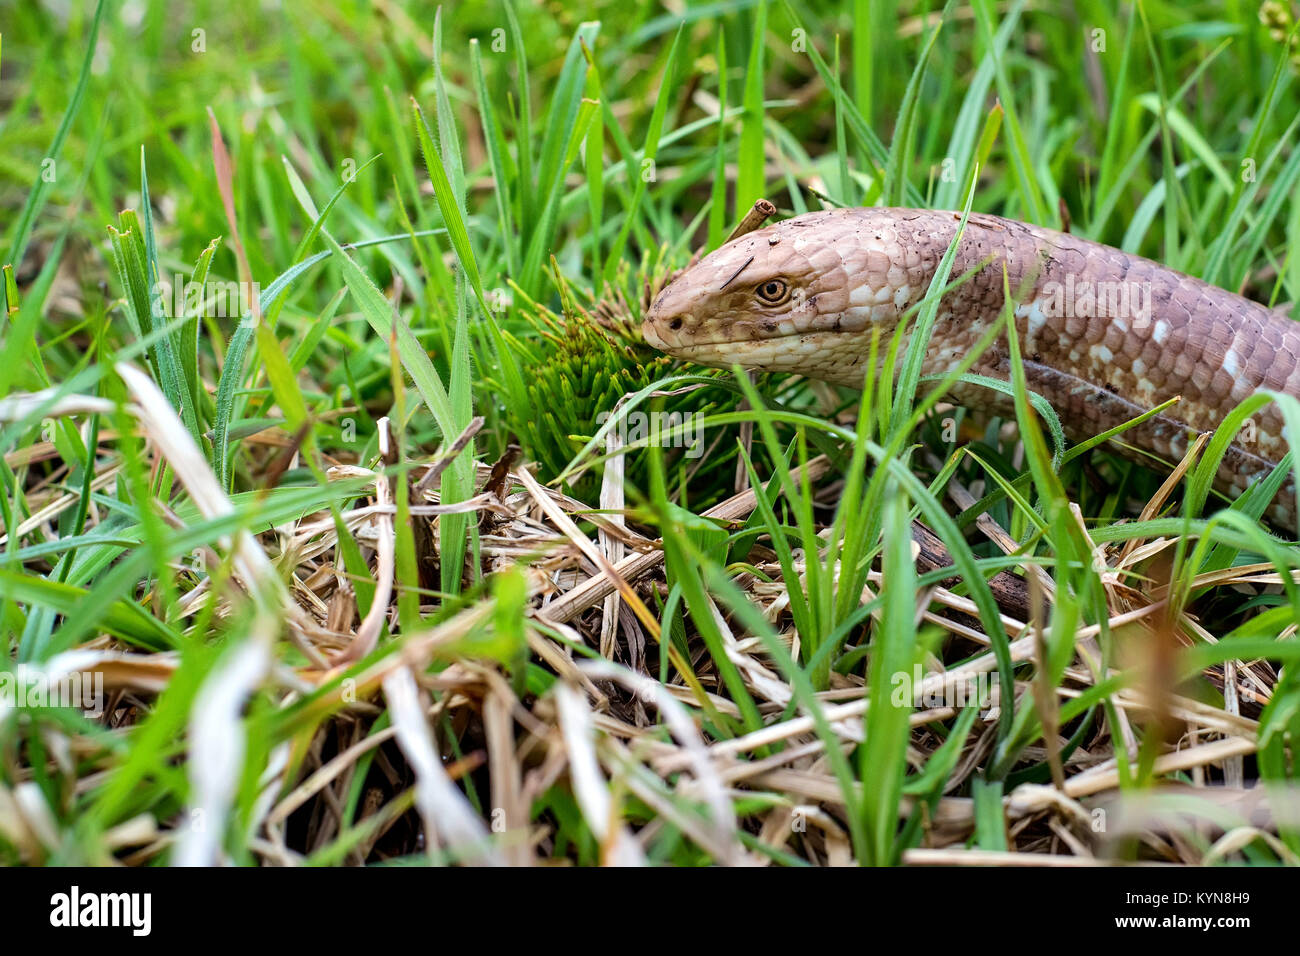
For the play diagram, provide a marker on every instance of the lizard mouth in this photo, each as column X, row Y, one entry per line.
column 792, row 351
column 711, row 346
column 652, row 332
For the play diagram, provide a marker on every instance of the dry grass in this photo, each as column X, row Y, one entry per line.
column 616, row 732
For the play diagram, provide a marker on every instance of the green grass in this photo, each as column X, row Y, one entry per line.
column 281, row 539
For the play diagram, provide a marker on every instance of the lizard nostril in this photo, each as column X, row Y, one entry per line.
column 676, row 323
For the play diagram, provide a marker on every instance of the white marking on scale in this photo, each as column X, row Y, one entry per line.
column 862, row 294
column 1034, row 313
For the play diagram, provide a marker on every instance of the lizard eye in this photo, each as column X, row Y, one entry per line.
column 773, row 291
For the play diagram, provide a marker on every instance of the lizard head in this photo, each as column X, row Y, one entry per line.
column 799, row 296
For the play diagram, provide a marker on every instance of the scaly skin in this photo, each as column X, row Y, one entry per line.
column 837, row 275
